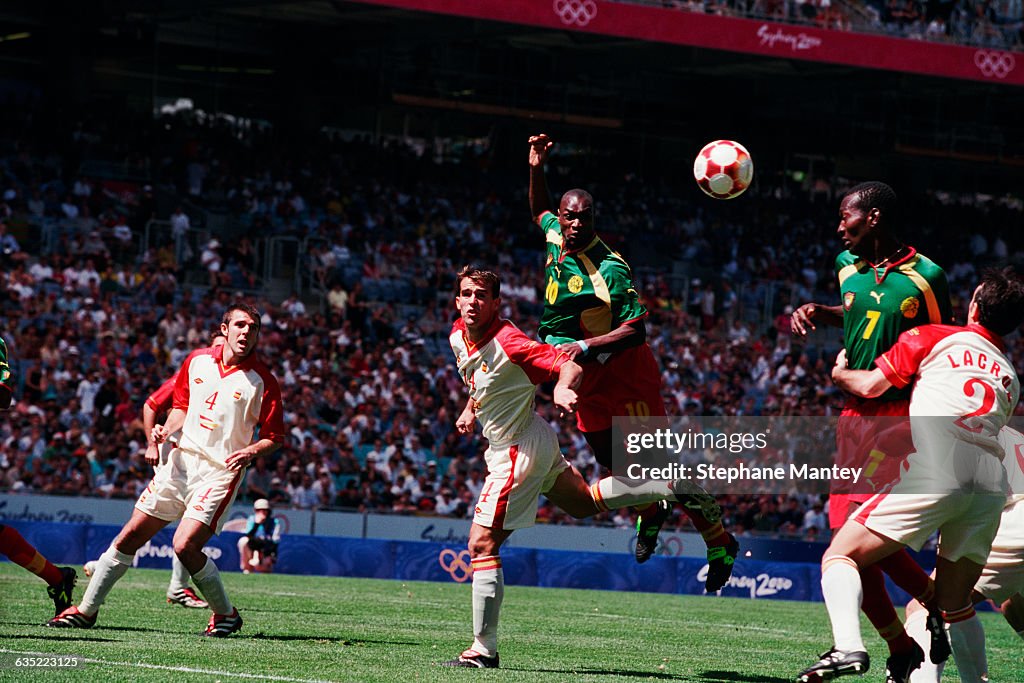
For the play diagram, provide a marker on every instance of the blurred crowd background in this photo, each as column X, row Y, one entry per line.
column 349, row 249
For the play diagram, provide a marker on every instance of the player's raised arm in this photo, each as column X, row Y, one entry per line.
column 804, row 317
column 540, row 198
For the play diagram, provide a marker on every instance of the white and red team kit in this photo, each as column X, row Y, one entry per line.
column 523, row 459
column 224, row 406
column 964, row 393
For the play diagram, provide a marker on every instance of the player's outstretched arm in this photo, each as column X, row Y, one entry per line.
column 625, row 336
column 540, row 198
column 863, row 383
column 804, row 318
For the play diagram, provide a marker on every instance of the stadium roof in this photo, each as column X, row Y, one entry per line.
column 373, row 67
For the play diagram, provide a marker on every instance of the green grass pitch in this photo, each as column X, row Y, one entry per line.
column 305, row 628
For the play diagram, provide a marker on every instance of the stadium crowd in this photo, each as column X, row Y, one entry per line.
column 95, row 323
column 984, row 23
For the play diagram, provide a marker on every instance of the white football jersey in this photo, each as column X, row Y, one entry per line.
column 1013, row 460
column 225, row 404
column 502, row 372
column 958, row 372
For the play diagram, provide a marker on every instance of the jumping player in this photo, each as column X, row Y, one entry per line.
column 593, row 314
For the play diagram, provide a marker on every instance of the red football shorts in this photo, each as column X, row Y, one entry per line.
column 628, row 385
column 880, row 446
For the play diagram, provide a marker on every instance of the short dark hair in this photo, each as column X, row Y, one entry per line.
column 484, row 278
column 876, row 195
column 1000, row 300
column 245, row 308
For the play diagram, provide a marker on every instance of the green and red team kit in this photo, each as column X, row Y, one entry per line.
column 880, row 302
column 588, row 293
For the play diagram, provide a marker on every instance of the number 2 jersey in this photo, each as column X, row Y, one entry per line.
column 225, row 404
column 956, row 372
column 879, row 304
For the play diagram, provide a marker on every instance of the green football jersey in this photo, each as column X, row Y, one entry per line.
column 879, row 304
column 587, row 293
column 6, row 378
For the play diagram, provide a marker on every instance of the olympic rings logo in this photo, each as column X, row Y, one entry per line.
column 578, row 12
column 996, row 64
column 457, row 564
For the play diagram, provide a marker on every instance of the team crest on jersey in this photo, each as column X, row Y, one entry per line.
column 238, row 395
column 910, row 306
column 198, row 380
column 483, row 367
column 575, row 284
column 848, row 300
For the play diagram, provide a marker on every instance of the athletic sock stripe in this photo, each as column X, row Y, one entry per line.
column 892, row 631
column 959, row 615
column 595, row 493
column 838, row 559
column 484, row 563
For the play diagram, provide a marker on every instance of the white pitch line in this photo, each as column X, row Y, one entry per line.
column 183, row 669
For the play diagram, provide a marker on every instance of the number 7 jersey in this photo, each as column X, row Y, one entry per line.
column 225, row 404
column 880, row 303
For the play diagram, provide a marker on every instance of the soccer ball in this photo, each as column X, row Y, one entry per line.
column 723, row 169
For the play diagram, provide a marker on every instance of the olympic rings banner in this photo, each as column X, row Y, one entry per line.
column 679, row 27
column 417, row 561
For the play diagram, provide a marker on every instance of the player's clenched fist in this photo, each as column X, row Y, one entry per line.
column 540, row 145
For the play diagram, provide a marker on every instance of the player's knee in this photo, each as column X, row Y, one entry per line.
column 243, row 543
column 184, row 548
column 482, row 545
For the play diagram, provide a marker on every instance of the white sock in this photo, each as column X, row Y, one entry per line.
column 841, row 586
column 179, row 576
column 209, row 584
column 110, row 567
column 488, row 591
column 968, row 640
column 916, row 629
column 612, row 493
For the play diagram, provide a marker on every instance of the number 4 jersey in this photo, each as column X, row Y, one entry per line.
column 225, row 404
column 881, row 302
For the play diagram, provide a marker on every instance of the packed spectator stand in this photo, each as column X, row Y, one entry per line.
column 109, row 282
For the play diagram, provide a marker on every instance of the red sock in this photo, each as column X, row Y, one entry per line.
column 908, row 575
column 878, row 607
column 21, row 552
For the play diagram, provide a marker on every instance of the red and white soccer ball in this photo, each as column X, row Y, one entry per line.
column 723, row 169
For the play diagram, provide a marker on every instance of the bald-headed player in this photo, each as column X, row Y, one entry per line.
column 593, row 314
